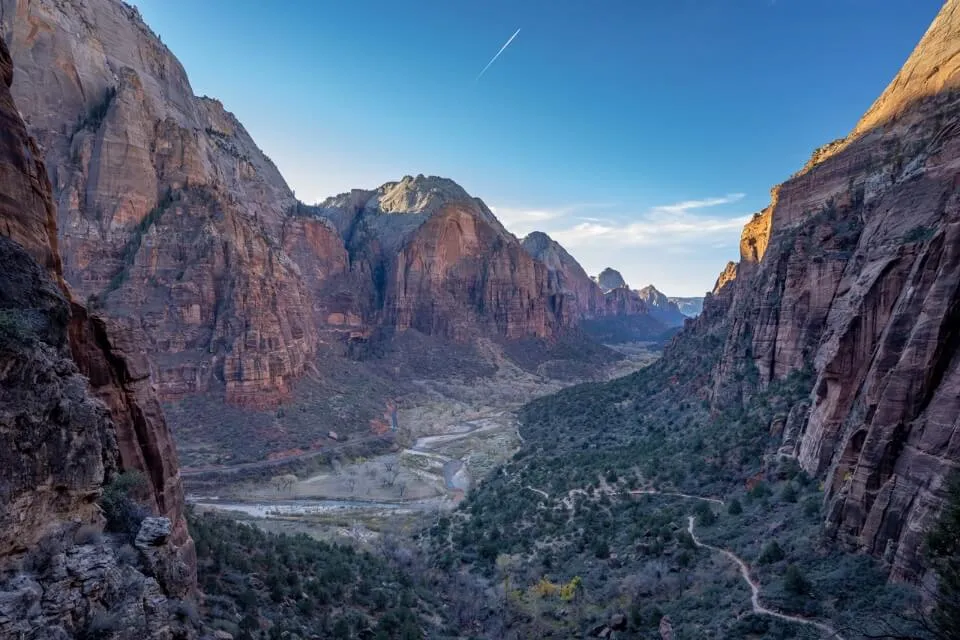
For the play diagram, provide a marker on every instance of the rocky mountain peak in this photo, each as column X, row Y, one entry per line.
column 548, row 251
column 661, row 307
column 652, row 293
column 394, row 210
column 419, row 194
column 932, row 72
column 932, row 69
column 610, row 279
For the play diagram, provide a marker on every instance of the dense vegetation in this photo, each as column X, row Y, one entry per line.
column 577, row 543
column 943, row 553
column 261, row 585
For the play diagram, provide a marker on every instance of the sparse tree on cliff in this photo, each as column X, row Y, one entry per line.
column 943, row 552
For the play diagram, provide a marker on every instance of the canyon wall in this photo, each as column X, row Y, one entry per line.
column 853, row 271
column 76, row 408
column 173, row 222
column 168, row 212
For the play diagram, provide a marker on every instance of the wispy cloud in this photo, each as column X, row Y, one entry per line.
column 691, row 205
column 522, row 220
column 682, row 224
column 650, row 232
column 494, row 58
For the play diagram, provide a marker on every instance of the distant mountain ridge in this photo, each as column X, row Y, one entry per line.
column 690, row 307
column 171, row 218
column 661, row 307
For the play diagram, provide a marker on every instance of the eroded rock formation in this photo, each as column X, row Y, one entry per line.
column 661, row 307
column 610, row 279
column 854, row 271
column 76, row 407
column 172, row 220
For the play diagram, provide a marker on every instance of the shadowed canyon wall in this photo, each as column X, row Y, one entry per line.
column 854, row 271
column 77, row 403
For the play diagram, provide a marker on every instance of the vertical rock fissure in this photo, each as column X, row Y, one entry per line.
column 152, row 458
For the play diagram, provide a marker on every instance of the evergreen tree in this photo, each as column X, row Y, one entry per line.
column 943, row 552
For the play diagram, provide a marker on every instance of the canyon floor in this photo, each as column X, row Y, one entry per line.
column 452, row 433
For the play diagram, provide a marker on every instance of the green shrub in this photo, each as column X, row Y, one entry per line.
column 704, row 514
column 759, row 491
column 771, row 553
column 120, row 503
column 735, row 508
column 795, row 582
column 943, row 553
column 601, row 549
column 811, row 506
column 789, row 493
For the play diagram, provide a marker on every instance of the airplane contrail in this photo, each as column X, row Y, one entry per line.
column 494, row 58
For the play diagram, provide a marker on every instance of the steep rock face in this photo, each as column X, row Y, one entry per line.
column 110, row 356
column 26, row 210
column 690, row 307
column 581, row 297
column 58, row 443
column 167, row 209
column 853, row 272
column 60, row 577
column 661, row 307
column 610, row 279
column 65, row 445
column 459, row 272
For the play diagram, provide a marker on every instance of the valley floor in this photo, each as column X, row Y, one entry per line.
column 452, row 434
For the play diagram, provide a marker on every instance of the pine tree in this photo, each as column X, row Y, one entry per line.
column 943, row 552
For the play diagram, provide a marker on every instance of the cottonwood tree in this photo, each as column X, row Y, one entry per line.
column 284, row 482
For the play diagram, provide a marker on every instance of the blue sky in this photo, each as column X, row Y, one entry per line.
column 639, row 133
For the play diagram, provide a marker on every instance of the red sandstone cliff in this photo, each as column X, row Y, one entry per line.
column 64, row 445
column 579, row 295
column 459, row 274
column 854, row 271
column 171, row 219
column 168, row 212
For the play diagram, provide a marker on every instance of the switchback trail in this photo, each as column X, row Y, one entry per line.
column 758, row 608
column 755, row 588
column 540, row 491
column 654, row 492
